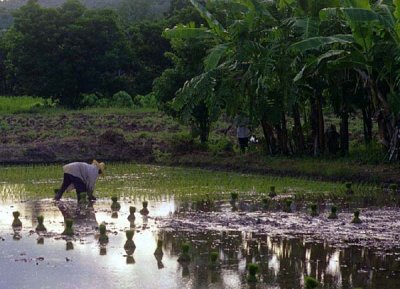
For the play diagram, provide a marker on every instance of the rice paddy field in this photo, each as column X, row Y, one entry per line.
column 195, row 228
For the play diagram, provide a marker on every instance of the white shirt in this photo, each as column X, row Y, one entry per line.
column 86, row 172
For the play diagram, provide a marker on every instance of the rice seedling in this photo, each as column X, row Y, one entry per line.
column 144, row 211
column 16, row 222
column 184, row 257
column 68, row 231
column 234, row 196
column 214, row 258
column 356, row 217
column 82, row 199
column 115, row 206
column 314, row 211
column 252, row 272
column 40, row 227
column 310, row 283
column 131, row 216
column 103, row 238
column 272, row 192
column 333, row 214
column 129, row 246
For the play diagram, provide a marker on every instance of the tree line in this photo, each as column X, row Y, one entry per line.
column 67, row 51
column 282, row 63
column 285, row 62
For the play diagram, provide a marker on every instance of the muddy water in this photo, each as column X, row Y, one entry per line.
column 50, row 260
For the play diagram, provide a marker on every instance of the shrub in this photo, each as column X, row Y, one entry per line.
column 89, row 100
column 122, row 99
column 148, row 100
column 103, row 102
column 222, row 145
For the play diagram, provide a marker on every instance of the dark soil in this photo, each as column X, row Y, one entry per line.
column 151, row 137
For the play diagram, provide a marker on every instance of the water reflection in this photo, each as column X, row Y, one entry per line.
column 283, row 262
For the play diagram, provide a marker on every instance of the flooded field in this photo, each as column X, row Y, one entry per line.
column 49, row 260
column 223, row 238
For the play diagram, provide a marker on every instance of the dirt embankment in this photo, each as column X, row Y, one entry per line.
column 151, row 137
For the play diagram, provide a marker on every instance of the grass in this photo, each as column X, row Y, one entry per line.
column 25, row 127
column 146, row 182
column 11, row 105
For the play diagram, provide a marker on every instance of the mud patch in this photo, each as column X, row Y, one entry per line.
column 380, row 228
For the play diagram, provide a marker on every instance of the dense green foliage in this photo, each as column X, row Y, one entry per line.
column 287, row 62
column 286, row 65
column 74, row 55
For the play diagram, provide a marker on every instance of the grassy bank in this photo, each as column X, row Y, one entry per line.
column 38, row 133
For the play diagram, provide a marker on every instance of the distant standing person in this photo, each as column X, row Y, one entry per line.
column 242, row 132
column 82, row 177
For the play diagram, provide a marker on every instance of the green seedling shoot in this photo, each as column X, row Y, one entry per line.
column 103, row 238
column 356, row 218
column 310, row 283
column 333, row 214
column 184, row 256
column 159, row 251
column 272, row 192
column 16, row 222
column 144, row 211
column 115, row 206
column 253, row 270
column 314, row 211
column 40, row 227
column 68, row 231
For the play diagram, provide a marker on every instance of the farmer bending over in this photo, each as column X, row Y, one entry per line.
column 81, row 177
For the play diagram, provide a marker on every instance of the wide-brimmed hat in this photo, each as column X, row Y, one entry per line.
column 100, row 166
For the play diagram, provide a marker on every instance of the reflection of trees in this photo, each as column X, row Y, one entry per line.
column 283, row 262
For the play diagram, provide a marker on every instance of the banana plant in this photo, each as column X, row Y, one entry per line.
column 247, row 69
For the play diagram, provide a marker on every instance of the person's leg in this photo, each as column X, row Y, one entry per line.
column 242, row 145
column 80, row 187
column 65, row 184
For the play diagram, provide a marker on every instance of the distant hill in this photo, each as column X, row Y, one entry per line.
column 156, row 8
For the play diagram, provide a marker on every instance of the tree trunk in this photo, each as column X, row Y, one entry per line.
column 269, row 136
column 367, row 124
column 317, row 124
column 298, row 136
column 283, row 139
column 321, row 124
column 344, row 132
